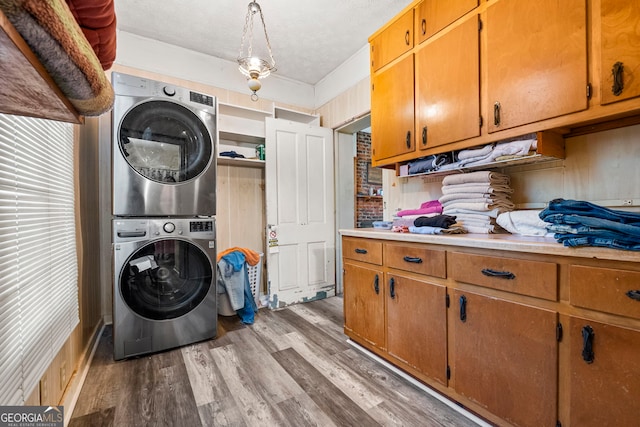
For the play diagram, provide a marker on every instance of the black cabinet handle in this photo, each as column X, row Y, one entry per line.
column 408, row 139
column 424, row 26
column 376, row 285
column 463, row 308
column 361, row 251
column 415, row 260
column 587, row 344
column 496, row 114
column 501, row 274
column 634, row 295
column 424, row 136
column 406, row 37
column 618, row 81
column 392, row 288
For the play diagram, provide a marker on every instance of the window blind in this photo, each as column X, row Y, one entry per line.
column 38, row 263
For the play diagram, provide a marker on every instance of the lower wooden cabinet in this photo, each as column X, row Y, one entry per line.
column 505, row 358
column 417, row 325
column 364, row 304
column 522, row 339
column 605, row 374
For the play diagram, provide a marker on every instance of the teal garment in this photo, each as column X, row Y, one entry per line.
column 235, row 278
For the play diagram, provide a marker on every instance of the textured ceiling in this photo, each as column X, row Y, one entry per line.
column 309, row 38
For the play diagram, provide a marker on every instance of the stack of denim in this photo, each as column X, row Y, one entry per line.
column 580, row 223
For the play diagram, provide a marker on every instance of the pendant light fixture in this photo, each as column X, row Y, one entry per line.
column 252, row 66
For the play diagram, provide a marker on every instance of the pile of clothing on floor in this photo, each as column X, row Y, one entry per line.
column 476, row 199
column 427, row 219
column 581, row 223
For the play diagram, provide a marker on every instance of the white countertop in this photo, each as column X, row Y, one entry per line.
column 507, row 242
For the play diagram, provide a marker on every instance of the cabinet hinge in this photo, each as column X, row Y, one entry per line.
column 481, row 121
column 447, row 300
column 588, row 90
column 448, row 372
column 559, row 332
column 479, row 24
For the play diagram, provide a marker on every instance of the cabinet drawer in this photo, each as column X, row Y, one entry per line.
column 417, row 259
column 433, row 15
column 364, row 250
column 533, row 278
column 605, row 289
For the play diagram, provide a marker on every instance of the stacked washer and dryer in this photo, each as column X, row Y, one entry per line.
column 164, row 206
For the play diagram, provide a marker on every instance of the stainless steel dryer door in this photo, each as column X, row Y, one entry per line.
column 165, row 279
column 163, row 160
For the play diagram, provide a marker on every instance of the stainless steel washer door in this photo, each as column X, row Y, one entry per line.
column 165, row 279
column 165, row 142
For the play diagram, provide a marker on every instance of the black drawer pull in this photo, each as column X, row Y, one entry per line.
column 407, row 37
column 424, row 136
column 361, row 251
column 618, row 81
column 392, row 288
column 496, row 114
column 415, row 260
column 409, row 139
column 463, row 308
column 424, row 26
column 587, row 344
column 376, row 285
column 501, row 274
column 634, row 295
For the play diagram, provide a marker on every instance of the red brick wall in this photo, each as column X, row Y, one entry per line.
column 368, row 209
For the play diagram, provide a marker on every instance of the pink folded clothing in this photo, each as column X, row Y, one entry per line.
column 432, row 206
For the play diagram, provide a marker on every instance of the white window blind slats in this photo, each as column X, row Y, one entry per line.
column 37, row 228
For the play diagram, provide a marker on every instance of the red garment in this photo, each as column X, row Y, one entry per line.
column 97, row 19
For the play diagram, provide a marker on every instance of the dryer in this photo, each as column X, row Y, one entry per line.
column 164, row 149
column 164, row 289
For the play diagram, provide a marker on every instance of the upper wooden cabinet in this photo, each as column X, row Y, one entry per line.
column 536, row 60
column 392, row 109
column 433, row 15
column 447, row 87
column 620, row 20
column 392, row 42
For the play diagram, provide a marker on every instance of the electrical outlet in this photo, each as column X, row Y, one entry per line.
column 627, row 202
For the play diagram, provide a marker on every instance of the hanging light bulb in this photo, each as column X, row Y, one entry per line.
column 254, row 67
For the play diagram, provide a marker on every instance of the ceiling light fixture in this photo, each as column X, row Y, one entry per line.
column 254, row 67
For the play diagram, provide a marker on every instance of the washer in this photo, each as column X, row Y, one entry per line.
column 164, row 290
column 164, row 149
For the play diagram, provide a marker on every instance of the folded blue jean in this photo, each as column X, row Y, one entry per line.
column 579, row 207
column 624, row 244
column 585, row 223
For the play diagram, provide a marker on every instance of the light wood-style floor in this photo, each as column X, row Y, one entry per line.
column 292, row 367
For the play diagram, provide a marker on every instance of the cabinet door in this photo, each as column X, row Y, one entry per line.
column 392, row 111
column 417, row 326
column 605, row 374
column 448, row 87
column 620, row 45
column 364, row 303
column 392, row 42
column 433, row 15
column 536, row 60
column 505, row 358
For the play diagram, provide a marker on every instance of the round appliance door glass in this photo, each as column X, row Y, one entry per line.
column 166, row 279
column 165, row 142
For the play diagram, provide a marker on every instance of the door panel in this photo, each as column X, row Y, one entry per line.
column 300, row 212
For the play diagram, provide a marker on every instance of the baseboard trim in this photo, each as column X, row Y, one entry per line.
column 435, row 394
column 70, row 397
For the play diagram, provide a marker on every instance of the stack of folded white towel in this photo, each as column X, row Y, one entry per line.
column 476, row 199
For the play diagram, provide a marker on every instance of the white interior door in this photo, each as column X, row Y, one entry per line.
column 300, row 212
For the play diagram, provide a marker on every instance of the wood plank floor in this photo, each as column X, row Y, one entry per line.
column 292, row 367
